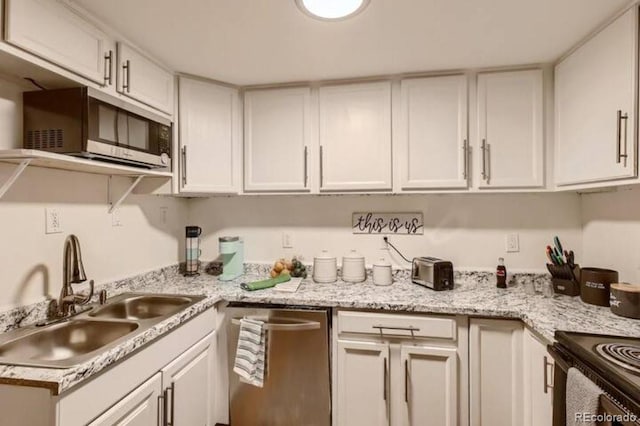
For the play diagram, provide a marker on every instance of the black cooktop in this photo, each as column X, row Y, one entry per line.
column 616, row 359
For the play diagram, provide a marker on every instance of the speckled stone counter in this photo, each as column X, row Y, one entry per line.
column 475, row 294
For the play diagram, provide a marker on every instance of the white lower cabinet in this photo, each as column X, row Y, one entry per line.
column 495, row 372
column 140, row 408
column 384, row 377
column 430, row 385
column 538, row 382
column 363, row 377
column 189, row 385
column 181, row 394
column 170, row 381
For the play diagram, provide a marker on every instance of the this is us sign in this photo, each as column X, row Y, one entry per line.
column 387, row 223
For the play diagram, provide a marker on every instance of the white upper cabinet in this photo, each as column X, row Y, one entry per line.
column 209, row 139
column 276, row 139
column 433, row 151
column 55, row 32
column 355, row 137
column 510, row 143
column 143, row 80
column 595, row 99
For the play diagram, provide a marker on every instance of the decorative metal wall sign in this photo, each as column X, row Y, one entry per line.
column 387, row 223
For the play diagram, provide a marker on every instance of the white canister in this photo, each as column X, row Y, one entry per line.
column 353, row 269
column 382, row 272
column 325, row 268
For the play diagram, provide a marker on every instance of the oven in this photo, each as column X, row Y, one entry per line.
column 619, row 402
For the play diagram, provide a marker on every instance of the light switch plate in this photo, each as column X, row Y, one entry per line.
column 53, row 221
column 287, row 239
column 116, row 220
column 512, row 243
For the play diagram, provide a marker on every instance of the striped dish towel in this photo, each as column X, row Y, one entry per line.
column 251, row 359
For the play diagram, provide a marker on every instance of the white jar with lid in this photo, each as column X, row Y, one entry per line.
column 353, row 269
column 382, row 274
column 325, row 269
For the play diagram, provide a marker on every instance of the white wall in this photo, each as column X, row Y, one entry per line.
column 31, row 262
column 467, row 229
column 611, row 232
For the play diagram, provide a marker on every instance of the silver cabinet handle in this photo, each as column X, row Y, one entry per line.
column 165, row 407
column 126, row 77
column 172, row 388
column 546, row 384
column 108, row 68
column 465, row 152
column 305, row 165
column 619, row 154
column 406, row 381
column 410, row 329
column 161, row 410
column 485, row 148
column 184, row 165
column 384, row 378
column 321, row 167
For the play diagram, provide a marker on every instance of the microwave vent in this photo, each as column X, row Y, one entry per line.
column 44, row 139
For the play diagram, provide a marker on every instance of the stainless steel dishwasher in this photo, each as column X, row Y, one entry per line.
column 296, row 389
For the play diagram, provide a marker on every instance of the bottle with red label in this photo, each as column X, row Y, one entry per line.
column 501, row 274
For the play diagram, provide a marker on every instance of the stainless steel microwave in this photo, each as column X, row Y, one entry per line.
column 85, row 122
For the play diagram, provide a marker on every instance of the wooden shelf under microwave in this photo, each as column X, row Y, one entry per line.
column 24, row 158
column 52, row 160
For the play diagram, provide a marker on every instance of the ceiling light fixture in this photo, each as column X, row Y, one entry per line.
column 332, row 10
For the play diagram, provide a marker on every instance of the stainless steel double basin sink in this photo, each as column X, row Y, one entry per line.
column 79, row 338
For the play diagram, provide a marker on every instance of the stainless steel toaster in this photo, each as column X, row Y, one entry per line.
column 431, row 272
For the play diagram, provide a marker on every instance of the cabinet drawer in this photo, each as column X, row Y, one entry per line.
column 397, row 325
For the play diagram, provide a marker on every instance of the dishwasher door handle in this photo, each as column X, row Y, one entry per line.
column 282, row 323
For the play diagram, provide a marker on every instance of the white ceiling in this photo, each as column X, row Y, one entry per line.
column 272, row 41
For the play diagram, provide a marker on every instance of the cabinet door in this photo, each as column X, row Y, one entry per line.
column 538, row 392
column 430, row 385
column 592, row 85
column 496, row 382
column 139, row 408
column 355, row 137
column 434, row 148
column 276, row 139
column 363, row 384
column 55, row 32
column 510, row 150
column 209, row 142
column 189, row 385
column 143, row 80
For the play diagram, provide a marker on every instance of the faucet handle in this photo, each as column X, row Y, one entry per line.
column 102, row 297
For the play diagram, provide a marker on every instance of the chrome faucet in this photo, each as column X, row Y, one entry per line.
column 72, row 273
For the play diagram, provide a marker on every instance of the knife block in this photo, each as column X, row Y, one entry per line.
column 565, row 280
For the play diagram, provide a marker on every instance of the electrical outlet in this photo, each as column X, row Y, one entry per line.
column 53, row 221
column 512, row 243
column 287, row 239
column 116, row 220
column 164, row 215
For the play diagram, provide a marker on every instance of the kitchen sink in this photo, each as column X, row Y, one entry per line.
column 73, row 340
column 66, row 340
column 142, row 307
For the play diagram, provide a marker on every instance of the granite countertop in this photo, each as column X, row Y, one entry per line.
column 475, row 294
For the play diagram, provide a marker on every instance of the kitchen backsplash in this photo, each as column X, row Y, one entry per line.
column 468, row 229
